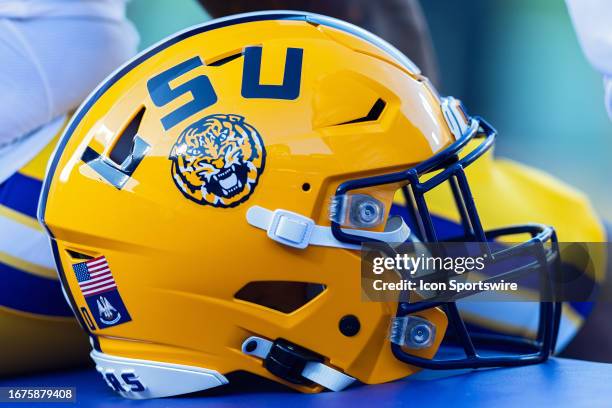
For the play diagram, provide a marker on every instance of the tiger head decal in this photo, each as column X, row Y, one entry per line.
column 218, row 160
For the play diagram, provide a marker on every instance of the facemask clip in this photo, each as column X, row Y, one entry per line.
column 357, row 211
column 412, row 331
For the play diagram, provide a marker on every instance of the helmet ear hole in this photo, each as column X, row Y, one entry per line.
column 282, row 296
column 306, row 187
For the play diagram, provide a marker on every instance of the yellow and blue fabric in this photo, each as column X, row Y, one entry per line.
column 37, row 327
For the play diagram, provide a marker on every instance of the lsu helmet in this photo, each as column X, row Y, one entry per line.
column 207, row 204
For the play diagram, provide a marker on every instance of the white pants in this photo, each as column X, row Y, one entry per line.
column 593, row 23
column 49, row 63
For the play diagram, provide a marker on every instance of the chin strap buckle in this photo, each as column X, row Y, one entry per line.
column 295, row 364
column 290, row 228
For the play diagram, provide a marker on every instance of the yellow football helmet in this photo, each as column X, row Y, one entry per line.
column 208, row 201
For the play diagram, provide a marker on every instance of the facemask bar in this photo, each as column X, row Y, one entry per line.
column 449, row 165
column 451, row 168
column 525, row 351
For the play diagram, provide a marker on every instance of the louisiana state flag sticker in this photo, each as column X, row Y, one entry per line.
column 100, row 290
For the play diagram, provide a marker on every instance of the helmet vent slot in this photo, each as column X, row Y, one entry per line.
column 78, row 255
column 224, row 60
column 374, row 114
column 282, row 296
column 125, row 142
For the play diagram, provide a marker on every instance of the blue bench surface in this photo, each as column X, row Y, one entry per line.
column 557, row 383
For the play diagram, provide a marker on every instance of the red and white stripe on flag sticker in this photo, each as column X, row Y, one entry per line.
column 94, row 276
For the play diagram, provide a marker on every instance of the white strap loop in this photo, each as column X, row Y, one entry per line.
column 298, row 231
column 316, row 372
column 326, row 376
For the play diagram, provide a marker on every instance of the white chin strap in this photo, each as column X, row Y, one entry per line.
column 295, row 230
column 316, row 372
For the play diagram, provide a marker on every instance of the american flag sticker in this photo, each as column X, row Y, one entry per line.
column 100, row 290
column 94, row 276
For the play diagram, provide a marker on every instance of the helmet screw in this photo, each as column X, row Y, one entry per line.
column 349, row 325
column 368, row 212
column 420, row 334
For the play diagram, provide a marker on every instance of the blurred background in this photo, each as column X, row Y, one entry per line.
column 517, row 63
